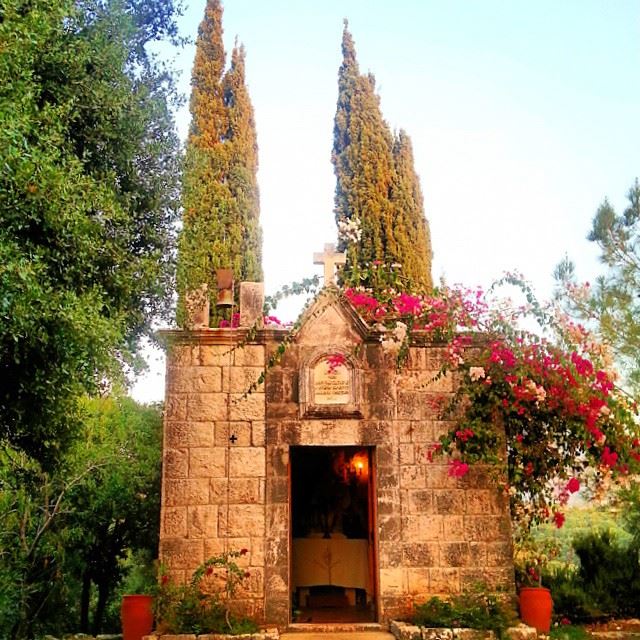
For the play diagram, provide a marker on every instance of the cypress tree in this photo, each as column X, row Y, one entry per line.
column 378, row 197
column 412, row 233
column 220, row 194
column 243, row 166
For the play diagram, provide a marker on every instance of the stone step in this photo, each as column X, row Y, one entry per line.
column 336, row 631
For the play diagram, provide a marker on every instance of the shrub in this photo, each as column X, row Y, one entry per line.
column 610, row 573
column 190, row 608
column 570, row 600
column 475, row 609
column 606, row 583
column 568, row 632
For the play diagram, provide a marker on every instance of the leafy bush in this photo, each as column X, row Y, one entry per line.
column 570, row 600
column 475, row 609
column 194, row 608
column 568, row 632
column 606, row 583
column 610, row 573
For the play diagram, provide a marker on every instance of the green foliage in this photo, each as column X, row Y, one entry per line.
column 202, row 605
column 378, row 202
column 570, row 600
column 579, row 522
column 88, row 200
column 605, row 584
column 610, row 573
column 568, row 632
column 474, row 609
column 220, row 195
column 629, row 505
column 117, row 508
column 139, row 575
column 67, row 529
column 612, row 304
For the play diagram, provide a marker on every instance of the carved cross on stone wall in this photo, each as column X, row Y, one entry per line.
column 330, row 258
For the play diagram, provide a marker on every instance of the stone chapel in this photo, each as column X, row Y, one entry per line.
column 321, row 472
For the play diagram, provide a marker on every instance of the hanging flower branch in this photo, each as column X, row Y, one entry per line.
column 565, row 421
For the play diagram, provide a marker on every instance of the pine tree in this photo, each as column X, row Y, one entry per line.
column 611, row 305
column 378, row 199
column 220, row 194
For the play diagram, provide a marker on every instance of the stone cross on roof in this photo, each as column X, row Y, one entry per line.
column 330, row 258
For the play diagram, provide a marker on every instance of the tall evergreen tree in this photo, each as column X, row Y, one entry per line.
column 378, row 200
column 243, row 166
column 220, row 194
column 412, row 233
column 611, row 305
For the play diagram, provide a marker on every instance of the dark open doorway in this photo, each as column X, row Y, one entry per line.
column 333, row 576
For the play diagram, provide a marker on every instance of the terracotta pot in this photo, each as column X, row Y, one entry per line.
column 535, row 608
column 137, row 616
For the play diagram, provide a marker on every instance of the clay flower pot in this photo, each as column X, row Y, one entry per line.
column 536, row 606
column 136, row 614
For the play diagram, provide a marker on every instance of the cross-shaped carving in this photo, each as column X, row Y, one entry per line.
column 233, row 438
column 330, row 258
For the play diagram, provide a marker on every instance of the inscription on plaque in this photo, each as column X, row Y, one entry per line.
column 331, row 382
column 330, row 386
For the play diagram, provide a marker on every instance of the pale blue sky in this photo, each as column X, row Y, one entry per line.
column 523, row 117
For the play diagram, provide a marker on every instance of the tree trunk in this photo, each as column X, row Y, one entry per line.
column 103, row 595
column 84, row 602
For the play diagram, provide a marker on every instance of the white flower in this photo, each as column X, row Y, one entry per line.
column 349, row 229
column 394, row 338
column 400, row 331
column 476, row 373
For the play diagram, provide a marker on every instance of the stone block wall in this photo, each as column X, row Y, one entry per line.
column 435, row 534
column 214, row 467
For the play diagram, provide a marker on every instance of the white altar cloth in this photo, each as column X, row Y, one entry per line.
column 335, row 561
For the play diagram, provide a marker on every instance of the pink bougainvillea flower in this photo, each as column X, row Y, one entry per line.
column 435, row 449
column 458, row 469
column 558, row 518
column 573, row 485
column 528, row 468
column 361, row 301
column 519, row 438
column 582, row 365
column 407, row 304
column 334, row 361
column 464, row 434
column 609, row 458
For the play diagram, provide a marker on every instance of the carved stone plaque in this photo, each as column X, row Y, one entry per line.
column 330, row 387
column 331, row 383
